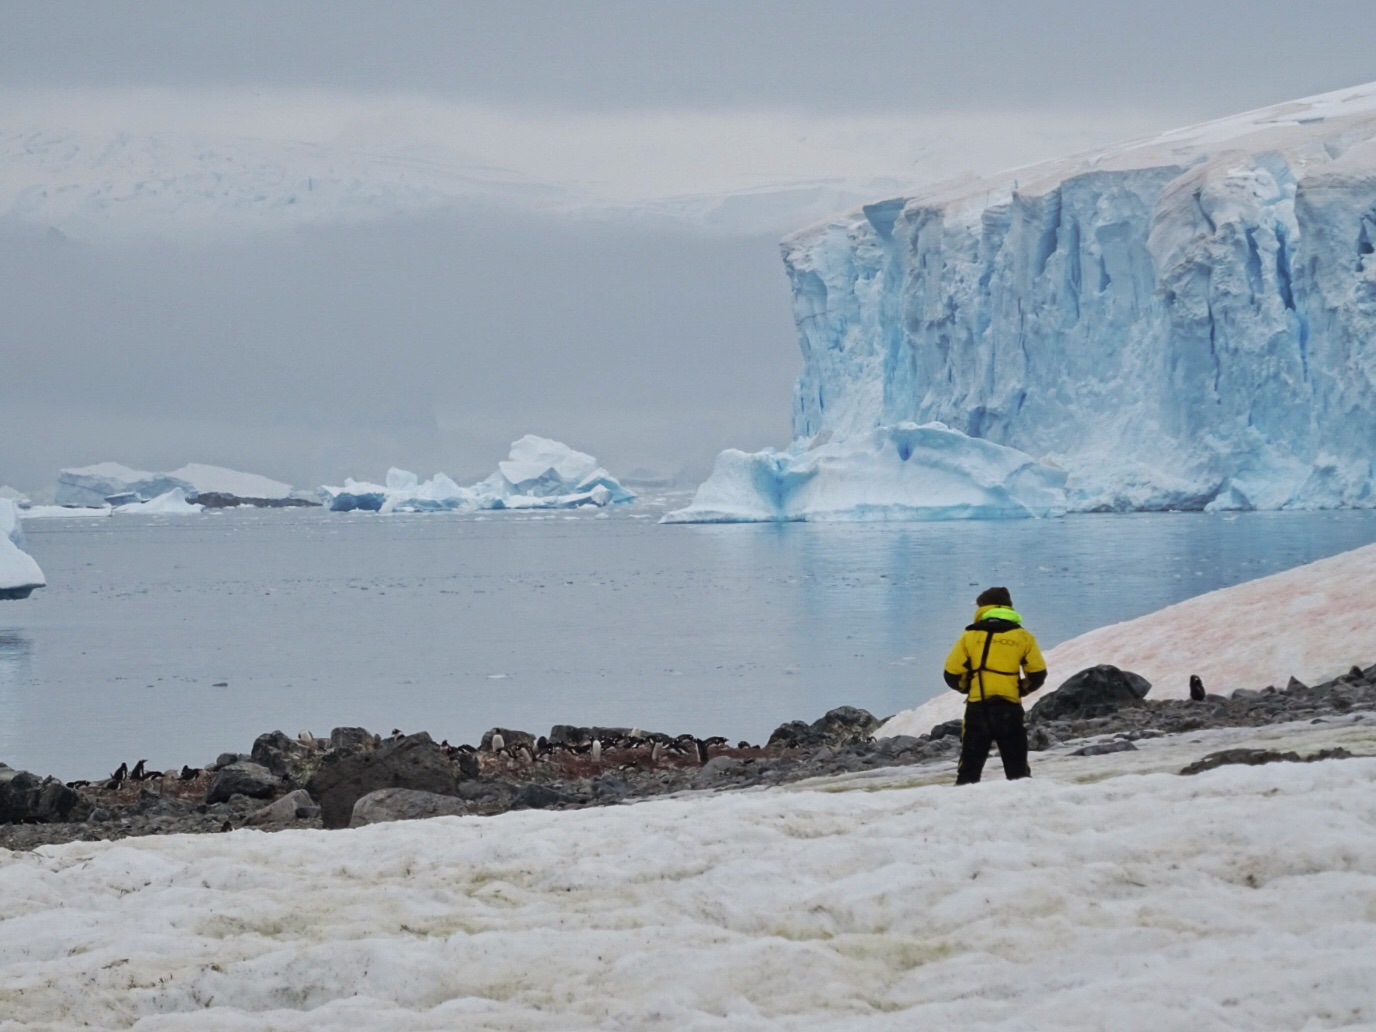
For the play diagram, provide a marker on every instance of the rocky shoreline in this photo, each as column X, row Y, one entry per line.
column 354, row 777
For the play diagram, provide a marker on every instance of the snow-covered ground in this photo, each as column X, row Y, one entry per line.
column 1313, row 622
column 1102, row 893
column 205, row 479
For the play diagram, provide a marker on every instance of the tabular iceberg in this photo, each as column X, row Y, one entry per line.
column 537, row 474
column 91, row 486
column 19, row 574
column 112, row 482
column 1186, row 321
column 904, row 472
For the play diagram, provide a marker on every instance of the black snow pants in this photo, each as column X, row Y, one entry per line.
column 993, row 720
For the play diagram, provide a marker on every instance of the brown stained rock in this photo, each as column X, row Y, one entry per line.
column 404, row 804
column 414, row 762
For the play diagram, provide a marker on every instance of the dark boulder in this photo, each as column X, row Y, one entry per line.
column 1097, row 692
column 286, row 757
column 540, row 797
column 26, row 798
column 352, row 739
column 404, row 804
column 243, row 778
column 414, row 761
column 951, row 727
column 511, row 739
column 842, row 726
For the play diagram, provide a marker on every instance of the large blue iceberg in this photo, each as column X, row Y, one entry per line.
column 1181, row 322
column 904, row 472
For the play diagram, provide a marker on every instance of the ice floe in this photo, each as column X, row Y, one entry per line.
column 902, row 472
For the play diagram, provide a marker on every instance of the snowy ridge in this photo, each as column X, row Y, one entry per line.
column 1182, row 321
column 1313, row 622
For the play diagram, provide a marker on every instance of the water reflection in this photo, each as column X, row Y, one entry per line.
column 16, row 651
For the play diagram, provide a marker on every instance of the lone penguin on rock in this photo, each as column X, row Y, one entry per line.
column 1196, row 688
column 117, row 778
column 497, row 744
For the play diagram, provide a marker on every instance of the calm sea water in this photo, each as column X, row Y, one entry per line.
column 178, row 638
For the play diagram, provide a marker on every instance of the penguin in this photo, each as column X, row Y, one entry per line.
column 137, row 773
column 1196, row 688
column 307, row 739
column 523, row 754
column 189, row 773
column 498, row 743
column 117, row 778
column 657, row 752
column 78, row 784
column 702, row 751
column 597, row 750
column 541, row 745
column 743, row 744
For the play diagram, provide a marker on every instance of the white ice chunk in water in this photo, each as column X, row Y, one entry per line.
column 903, row 472
column 19, row 573
column 538, row 474
column 170, row 503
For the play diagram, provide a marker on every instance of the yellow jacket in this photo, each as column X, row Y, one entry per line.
column 1011, row 649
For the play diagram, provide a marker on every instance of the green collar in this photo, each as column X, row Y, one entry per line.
column 998, row 613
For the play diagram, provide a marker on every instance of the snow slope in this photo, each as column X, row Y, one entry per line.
column 95, row 163
column 19, row 574
column 1182, row 321
column 1237, row 899
column 1313, row 622
column 206, row 479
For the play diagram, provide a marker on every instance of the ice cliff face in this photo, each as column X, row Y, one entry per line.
column 1187, row 321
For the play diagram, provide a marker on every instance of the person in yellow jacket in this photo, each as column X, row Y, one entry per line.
column 987, row 666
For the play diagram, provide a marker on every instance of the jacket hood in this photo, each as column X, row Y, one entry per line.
column 998, row 613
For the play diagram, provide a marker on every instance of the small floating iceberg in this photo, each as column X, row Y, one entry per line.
column 169, row 503
column 902, row 472
column 538, row 473
column 19, row 574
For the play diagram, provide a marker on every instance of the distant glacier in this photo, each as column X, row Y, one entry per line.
column 1181, row 322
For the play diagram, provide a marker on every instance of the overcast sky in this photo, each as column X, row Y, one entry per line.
column 578, row 279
